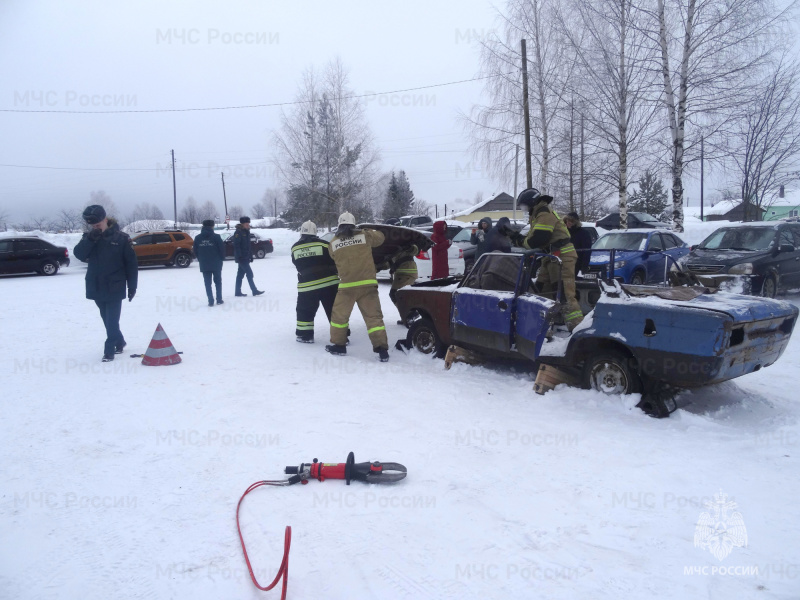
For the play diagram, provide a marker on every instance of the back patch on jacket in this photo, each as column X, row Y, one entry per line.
column 355, row 240
column 315, row 250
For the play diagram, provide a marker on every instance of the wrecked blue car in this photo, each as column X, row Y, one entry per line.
column 637, row 339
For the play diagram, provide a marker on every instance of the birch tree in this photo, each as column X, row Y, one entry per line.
column 614, row 77
column 765, row 137
column 709, row 50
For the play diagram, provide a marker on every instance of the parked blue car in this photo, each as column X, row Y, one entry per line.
column 640, row 256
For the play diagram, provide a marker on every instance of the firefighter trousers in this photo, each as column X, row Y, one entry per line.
column 307, row 304
column 366, row 296
column 400, row 280
column 548, row 283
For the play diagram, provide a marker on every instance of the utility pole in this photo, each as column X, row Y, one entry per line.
column 174, row 192
column 583, row 183
column 702, row 173
column 572, row 155
column 225, row 200
column 516, row 177
column 526, row 113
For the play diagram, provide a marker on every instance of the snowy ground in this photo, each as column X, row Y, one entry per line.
column 121, row 481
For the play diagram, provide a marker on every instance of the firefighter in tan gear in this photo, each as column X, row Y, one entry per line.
column 403, row 270
column 351, row 250
column 549, row 234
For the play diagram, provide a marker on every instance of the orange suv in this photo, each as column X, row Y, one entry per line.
column 171, row 248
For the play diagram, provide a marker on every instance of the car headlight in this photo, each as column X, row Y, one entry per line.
column 620, row 263
column 741, row 269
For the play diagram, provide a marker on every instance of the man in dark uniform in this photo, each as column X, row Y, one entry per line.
column 210, row 252
column 317, row 280
column 549, row 234
column 112, row 266
column 580, row 239
column 243, row 257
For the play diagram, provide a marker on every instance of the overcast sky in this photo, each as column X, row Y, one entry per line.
column 164, row 55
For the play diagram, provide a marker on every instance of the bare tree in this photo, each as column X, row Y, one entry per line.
column 616, row 80
column 145, row 212
column 258, row 210
column 235, row 212
column 4, row 219
column 709, row 50
column 190, row 213
column 69, row 220
column 766, row 137
column 207, row 210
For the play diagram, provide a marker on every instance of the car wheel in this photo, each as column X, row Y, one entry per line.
column 769, row 289
column 260, row 253
column 638, row 278
column 183, row 260
column 610, row 372
column 49, row 268
column 424, row 338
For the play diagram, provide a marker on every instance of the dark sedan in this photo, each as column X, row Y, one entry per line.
column 31, row 255
column 765, row 257
column 260, row 247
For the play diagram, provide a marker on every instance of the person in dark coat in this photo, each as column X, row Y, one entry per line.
column 317, row 280
column 497, row 238
column 478, row 237
column 243, row 257
column 210, row 252
column 112, row 267
column 581, row 239
column 439, row 266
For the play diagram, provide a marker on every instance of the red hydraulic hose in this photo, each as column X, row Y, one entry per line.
column 283, row 570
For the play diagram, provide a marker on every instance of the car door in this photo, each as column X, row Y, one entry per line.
column 161, row 247
column 143, row 247
column 7, row 258
column 27, row 255
column 483, row 304
column 654, row 259
column 674, row 247
column 789, row 261
column 533, row 316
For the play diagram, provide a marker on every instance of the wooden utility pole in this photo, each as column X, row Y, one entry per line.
column 702, row 173
column 225, row 200
column 516, row 177
column 583, row 183
column 527, row 116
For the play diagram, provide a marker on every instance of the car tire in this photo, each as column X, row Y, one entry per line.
column 638, row 278
column 49, row 268
column 183, row 260
column 769, row 289
column 260, row 253
column 423, row 337
column 610, row 372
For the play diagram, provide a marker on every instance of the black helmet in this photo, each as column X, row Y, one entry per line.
column 528, row 197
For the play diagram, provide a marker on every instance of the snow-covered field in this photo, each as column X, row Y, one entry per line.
column 121, row 481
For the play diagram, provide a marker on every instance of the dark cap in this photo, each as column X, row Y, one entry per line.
column 94, row 214
column 208, row 223
column 244, row 220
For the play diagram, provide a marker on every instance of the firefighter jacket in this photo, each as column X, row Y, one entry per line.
column 403, row 263
column 315, row 267
column 548, row 231
column 353, row 257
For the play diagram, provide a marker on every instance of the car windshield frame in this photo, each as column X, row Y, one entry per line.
column 759, row 240
column 615, row 237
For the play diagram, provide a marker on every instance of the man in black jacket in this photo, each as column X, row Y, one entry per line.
column 112, row 265
column 317, row 280
column 497, row 238
column 243, row 257
column 210, row 252
column 580, row 239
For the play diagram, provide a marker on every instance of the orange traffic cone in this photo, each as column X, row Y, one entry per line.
column 161, row 351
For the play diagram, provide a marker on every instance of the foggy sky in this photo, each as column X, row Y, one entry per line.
column 158, row 55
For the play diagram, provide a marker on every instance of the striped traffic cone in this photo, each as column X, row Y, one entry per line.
column 161, row 351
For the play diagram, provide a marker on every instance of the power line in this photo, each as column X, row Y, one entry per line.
column 274, row 104
column 166, row 168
